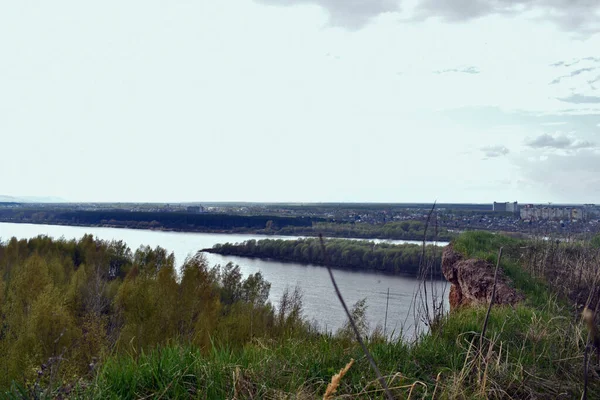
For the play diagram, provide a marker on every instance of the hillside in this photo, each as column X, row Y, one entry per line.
column 91, row 319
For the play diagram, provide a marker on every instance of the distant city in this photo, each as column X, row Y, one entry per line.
column 526, row 218
column 532, row 212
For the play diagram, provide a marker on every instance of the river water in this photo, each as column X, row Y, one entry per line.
column 320, row 303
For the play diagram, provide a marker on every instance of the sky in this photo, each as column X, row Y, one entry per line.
column 301, row 100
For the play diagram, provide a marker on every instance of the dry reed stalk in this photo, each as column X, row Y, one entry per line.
column 236, row 377
column 437, row 382
column 382, row 381
column 592, row 340
column 335, row 381
column 487, row 315
column 410, row 386
column 422, row 263
column 411, row 390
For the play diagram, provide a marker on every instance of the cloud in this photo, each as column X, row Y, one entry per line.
column 350, row 14
column 580, row 99
column 494, row 151
column 567, row 177
column 559, row 142
column 553, row 123
column 467, row 70
column 570, row 15
column 575, row 62
column 572, row 74
column 484, row 118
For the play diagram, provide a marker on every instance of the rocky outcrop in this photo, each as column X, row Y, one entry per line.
column 472, row 281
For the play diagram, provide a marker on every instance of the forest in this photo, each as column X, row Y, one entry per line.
column 158, row 220
column 65, row 305
column 234, row 223
column 399, row 230
column 342, row 253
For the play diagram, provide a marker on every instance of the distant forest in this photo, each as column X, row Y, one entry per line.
column 166, row 220
column 342, row 253
column 233, row 223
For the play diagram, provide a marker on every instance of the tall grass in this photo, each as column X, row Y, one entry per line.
column 528, row 353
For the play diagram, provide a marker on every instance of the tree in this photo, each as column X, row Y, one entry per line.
column 231, row 282
column 359, row 316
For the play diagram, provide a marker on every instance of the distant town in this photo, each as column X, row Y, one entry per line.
column 526, row 218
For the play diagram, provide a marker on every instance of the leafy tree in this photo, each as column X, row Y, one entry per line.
column 255, row 289
column 359, row 316
column 231, row 282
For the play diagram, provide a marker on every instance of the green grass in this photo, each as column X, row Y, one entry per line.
column 259, row 370
column 483, row 244
column 531, row 350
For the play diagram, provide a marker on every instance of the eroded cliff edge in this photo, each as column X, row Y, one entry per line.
column 473, row 280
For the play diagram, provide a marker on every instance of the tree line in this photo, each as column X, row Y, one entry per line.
column 398, row 230
column 342, row 253
column 217, row 222
column 65, row 305
column 153, row 219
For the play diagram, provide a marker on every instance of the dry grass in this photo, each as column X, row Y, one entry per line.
column 335, row 381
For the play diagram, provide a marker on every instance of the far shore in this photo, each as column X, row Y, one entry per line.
column 239, row 231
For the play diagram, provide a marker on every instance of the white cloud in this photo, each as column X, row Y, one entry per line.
column 561, row 142
column 494, row 151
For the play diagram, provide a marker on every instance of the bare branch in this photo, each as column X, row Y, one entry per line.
column 353, row 324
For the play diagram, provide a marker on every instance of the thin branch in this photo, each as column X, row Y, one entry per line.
column 423, row 263
column 487, row 315
column 353, row 324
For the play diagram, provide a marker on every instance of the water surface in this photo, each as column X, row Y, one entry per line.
column 320, row 301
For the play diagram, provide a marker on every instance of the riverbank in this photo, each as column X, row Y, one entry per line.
column 404, row 259
column 313, row 280
column 534, row 349
column 312, row 231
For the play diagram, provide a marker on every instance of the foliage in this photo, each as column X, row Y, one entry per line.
column 81, row 300
column 70, row 328
column 155, row 219
column 221, row 222
column 343, row 253
column 399, row 230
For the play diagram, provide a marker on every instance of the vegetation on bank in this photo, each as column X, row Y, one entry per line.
column 342, row 253
column 399, row 230
column 66, row 304
column 155, row 220
column 231, row 223
column 90, row 319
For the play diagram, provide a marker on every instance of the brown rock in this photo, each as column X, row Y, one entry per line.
column 472, row 281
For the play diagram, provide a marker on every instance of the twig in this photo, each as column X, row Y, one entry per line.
column 423, row 263
column 387, row 302
column 354, row 328
column 585, row 369
column 586, row 354
column 487, row 315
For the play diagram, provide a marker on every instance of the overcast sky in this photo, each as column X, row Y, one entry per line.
column 301, row 100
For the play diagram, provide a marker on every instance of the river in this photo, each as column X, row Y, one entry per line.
column 319, row 300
